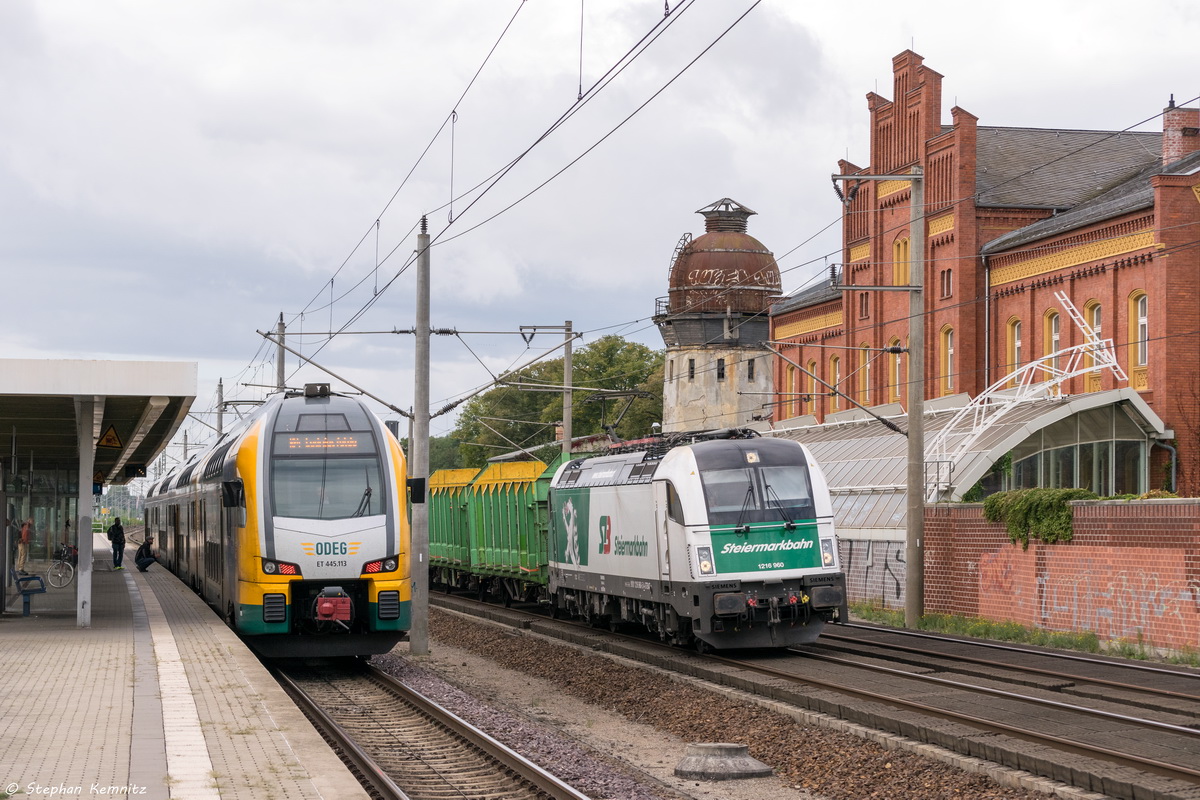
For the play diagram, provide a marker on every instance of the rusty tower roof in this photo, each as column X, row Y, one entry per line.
column 725, row 269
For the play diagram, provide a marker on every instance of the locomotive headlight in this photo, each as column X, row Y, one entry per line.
column 279, row 567
column 705, row 559
column 388, row 564
column 827, row 553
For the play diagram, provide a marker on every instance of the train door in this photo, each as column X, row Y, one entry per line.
column 176, row 538
column 233, row 518
column 664, row 495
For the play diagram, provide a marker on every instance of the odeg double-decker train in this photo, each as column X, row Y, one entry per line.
column 294, row 528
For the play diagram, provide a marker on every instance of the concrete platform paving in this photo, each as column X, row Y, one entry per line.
column 157, row 699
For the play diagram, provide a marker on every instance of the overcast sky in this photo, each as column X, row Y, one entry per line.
column 175, row 175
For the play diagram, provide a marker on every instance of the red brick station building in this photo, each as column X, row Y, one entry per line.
column 1016, row 220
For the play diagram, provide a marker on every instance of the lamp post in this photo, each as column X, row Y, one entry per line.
column 914, row 534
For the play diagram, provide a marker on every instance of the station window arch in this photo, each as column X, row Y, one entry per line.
column 864, row 374
column 1100, row 449
column 835, row 379
column 1052, row 335
column 1139, row 328
column 1014, row 346
column 1139, row 340
column 946, row 356
column 1093, row 315
column 895, row 373
column 792, row 387
column 900, row 262
column 810, row 400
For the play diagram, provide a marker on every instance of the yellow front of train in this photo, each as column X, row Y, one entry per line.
column 323, row 558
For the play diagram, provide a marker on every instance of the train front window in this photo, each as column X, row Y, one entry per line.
column 788, row 489
column 729, row 494
column 757, row 494
column 327, row 488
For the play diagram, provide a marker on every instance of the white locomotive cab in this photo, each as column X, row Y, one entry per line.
column 724, row 542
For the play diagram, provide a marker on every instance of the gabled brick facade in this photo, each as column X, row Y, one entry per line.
column 1012, row 216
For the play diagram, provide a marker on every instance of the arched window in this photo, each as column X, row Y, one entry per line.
column 895, row 373
column 1143, row 331
column 835, row 379
column 1139, row 340
column 947, row 358
column 1052, row 335
column 810, row 402
column 900, row 258
column 1014, row 345
column 864, row 374
column 792, row 388
column 1093, row 317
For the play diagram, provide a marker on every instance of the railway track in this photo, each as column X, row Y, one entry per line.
column 1088, row 724
column 402, row 745
column 1153, row 686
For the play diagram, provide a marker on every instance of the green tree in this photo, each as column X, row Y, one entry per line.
column 506, row 418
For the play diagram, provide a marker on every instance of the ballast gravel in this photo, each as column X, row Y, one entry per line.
column 616, row 731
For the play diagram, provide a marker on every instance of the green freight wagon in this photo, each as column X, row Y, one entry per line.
column 488, row 531
column 449, row 531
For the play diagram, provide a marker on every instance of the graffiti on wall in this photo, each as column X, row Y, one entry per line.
column 996, row 572
column 1125, row 605
column 875, row 571
column 1081, row 589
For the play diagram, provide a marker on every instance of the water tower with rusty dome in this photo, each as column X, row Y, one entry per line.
column 714, row 323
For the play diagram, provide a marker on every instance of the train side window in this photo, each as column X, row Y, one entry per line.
column 674, row 504
column 233, row 494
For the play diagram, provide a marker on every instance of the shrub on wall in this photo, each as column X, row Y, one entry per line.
column 1044, row 514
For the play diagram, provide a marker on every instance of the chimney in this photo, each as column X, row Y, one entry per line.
column 1181, row 132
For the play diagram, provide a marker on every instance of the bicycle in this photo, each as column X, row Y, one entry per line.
column 62, row 568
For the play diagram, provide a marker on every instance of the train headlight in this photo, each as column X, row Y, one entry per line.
column 279, row 567
column 828, row 553
column 388, row 564
column 705, row 559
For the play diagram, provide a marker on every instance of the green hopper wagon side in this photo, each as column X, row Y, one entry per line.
column 449, row 529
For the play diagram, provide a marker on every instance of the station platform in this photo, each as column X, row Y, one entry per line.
column 157, row 699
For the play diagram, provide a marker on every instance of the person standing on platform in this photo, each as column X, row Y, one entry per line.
column 144, row 556
column 116, row 535
column 23, row 540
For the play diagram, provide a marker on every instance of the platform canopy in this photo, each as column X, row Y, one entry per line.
column 135, row 409
column 70, row 427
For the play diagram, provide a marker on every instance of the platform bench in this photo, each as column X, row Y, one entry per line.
column 28, row 585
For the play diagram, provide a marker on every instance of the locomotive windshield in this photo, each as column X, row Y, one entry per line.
column 327, row 488
column 323, row 469
column 767, row 481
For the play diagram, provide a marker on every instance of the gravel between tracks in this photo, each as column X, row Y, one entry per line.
column 616, row 731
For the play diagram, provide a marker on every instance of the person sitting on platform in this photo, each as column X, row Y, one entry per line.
column 144, row 556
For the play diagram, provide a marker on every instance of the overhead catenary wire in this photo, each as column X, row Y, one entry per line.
column 599, row 85
column 835, row 220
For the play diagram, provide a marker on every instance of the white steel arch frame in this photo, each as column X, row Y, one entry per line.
column 1034, row 381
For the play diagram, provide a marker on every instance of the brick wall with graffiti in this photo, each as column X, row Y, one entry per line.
column 875, row 571
column 1131, row 571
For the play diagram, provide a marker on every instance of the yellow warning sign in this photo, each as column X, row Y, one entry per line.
column 98, row 477
column 110, row 439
